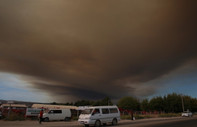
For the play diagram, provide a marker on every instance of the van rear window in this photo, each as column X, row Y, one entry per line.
column 113, row 110
column 105, row 111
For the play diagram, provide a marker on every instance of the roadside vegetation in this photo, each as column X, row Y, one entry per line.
column 139, row 116
column 136, row 116
column 166, row 106
column 130, row 107
column 171, row 103
column 170, row 115
column 14, row 117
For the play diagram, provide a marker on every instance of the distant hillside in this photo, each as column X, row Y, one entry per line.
column 3, row 101
column 29, row 104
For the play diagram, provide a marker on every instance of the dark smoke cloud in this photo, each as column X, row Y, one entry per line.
column 91, row 49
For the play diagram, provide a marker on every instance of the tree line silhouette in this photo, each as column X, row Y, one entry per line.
column 171, row 103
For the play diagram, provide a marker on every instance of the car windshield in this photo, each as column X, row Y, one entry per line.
column 86, row 111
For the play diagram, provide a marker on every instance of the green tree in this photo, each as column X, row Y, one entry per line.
column 103, row 102
column 157, row 103
column 106, row 101
column 173, row 103
column 194, row 105
column 129, row 103
column 145, row 105
column 82, row 103
column 54, row 103
column 187, row 102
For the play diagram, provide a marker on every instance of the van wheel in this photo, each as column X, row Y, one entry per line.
column 97, row 123
column 46, row 119
column 114, row 121
column 67, row 119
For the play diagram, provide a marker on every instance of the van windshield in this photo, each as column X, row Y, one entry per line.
column 86, row 111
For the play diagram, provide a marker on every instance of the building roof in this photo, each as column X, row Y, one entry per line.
column 90, row 107
column 53, row 106
column 14, row 105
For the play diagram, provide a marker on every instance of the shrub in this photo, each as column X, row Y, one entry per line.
column 128, row 117
column 74, row 118
column 139, row 117
column 170, row 115
column 15, row 117
column 125, row 117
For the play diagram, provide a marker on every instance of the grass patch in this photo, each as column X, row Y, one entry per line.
column 170, row 115
column 147, row 116
column 128, row 117
column 142, row 116
column 138, row 116
column 125, row 117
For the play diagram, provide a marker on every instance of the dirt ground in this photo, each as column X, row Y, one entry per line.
column 36, row 124
column 122, row 123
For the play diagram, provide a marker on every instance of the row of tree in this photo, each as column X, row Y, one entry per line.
column 105, row 101
column 170, row 103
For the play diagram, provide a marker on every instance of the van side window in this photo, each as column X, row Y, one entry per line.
column 57, row 111
column 105, row 111
column 113, row 110
column 96, row 111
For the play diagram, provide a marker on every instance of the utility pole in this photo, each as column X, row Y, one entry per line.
column 182, row 103
column 10, row 102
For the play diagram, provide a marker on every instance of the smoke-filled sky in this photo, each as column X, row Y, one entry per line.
column 64, row 50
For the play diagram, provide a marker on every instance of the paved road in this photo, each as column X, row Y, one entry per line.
column 184, row 123
column 156, row 122
column 160, row 122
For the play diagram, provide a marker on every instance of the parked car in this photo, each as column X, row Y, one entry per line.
column 186, row 114
column 57, row 114
column 99, row 115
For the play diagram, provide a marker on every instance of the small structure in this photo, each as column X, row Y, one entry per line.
column 47, row 106
column 13, row 106
column 7, row 109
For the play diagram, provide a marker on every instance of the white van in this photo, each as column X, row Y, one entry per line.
column 99, row 115
column 57, row 114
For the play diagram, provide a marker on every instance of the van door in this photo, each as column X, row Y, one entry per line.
column 105, row 115
column 57, row 114
column 51, row 115
column 96, row 114
column 113, row 114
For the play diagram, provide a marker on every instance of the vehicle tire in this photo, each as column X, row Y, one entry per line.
column 86, row 125
column 97, row 123
column 114, row 121
column 66, row 119
column 46, row 119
